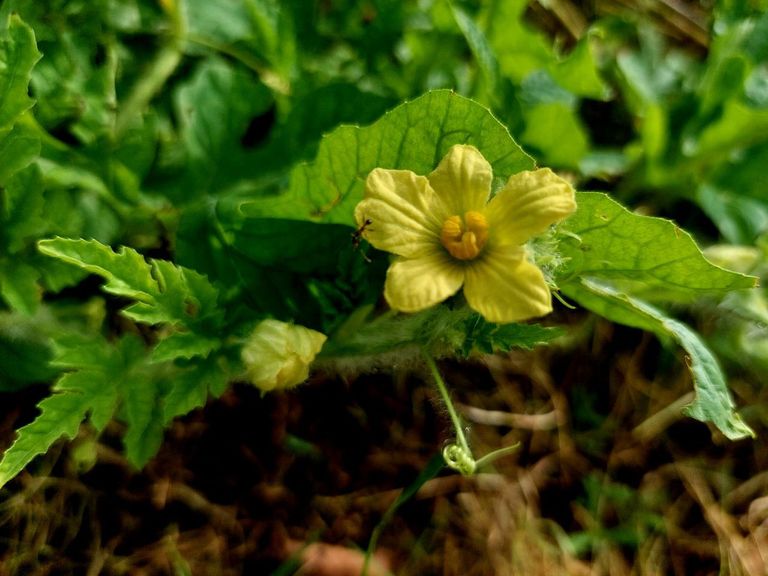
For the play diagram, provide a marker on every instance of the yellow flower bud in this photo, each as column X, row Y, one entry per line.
column 277, row 355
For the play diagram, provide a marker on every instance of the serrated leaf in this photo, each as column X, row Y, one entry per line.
column 184, row 345
column 490, row 338
column 143, row 414
column 165, row 292
column 713, row 401
column 61, row 416
column 644, row 256
column 89, row 390
column 413, row 136
column 18, row 53
column 190, row 389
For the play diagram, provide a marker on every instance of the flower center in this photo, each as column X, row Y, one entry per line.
column 464, row 239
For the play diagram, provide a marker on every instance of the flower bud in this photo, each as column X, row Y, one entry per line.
column 278, row 355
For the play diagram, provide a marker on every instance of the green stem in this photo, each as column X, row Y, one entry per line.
column 459, row 456
column 443, row 389
column 154, row 77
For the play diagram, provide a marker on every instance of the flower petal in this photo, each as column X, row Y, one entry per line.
column 462, row 180
column 528, row 204
column 398, row 213
column 418, row 283
column 504, row 287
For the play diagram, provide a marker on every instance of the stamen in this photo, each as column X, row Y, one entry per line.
column 464, row 239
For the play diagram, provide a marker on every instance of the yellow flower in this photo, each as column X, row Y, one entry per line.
column 446, row 234
column 278, row 355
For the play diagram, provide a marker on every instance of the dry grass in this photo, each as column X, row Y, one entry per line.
column 609, row 480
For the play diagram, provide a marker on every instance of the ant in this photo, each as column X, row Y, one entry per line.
column 357, row 236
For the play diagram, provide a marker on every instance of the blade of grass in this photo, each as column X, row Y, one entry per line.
column 431, row 470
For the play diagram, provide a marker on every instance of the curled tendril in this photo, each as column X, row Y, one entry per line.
column 459, row 459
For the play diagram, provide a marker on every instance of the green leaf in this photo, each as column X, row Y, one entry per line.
column 21, row 214
column 441, row 329
column 190, row 389
column 577, row 72
column 18, row 148
column 519, row 49
column 413, row 136
column 25, row 351
column 480, row 47
column 555, row 130
column 18, row 53
column 740, row 219
column 19, row 285
column 491, row 338
column 646, row 257
column 738, row 126
column 290, row 245
column 164, row 292
column 713, row 401
column 214, row 108
column 61, row 416
column 143, row 414
column 93, row 388
column 184, row 345
column 522, row 50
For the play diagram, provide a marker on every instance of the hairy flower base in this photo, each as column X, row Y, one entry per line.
column 448, row 234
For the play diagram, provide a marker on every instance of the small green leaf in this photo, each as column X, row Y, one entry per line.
column 646, row 257
column 713, row 401
column 143, row 413
column 740, row 219
column 413, row 136
column 491, row 338
column 556, row 132
column 190, row 389
column 184, row 345
column 519, row 49
column 91, row 389
column 61, row 416
column 18, row 53
column 480, row 47
column 164, row 292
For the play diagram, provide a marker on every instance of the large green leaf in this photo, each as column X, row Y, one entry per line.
column 713, row 402
column 413, row 136
column 214, row 108
column 646, row 257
